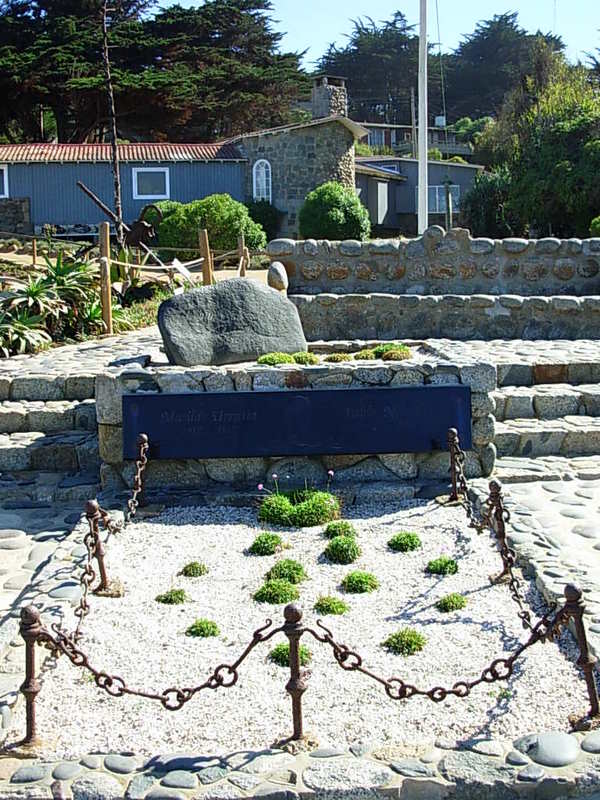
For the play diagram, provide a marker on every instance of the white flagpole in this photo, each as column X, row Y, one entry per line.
column 423, row 177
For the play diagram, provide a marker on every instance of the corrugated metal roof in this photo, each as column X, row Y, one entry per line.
column 140, row 151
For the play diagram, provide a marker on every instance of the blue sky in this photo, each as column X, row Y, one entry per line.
column 312, row 24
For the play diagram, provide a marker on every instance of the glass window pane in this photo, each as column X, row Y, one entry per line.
column 2, row 182
column 151, row 183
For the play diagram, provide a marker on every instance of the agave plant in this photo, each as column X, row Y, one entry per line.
column 21, row 332
column 74, row 280
column 39, row 296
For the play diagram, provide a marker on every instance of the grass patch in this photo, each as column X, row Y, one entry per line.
column 203, row 628
column 342, row 550
column 451, row 602
column 358, row 582
column 305, row 358
column 272, row 359
column 173, row 597
column 280, row 655
column 397, row 354
column 444, row 565
column 330, row 605
column 365, row 355
column 339, row 527
column 265, row 544
column 276, row 591
column 405, row 642
column 404, row 542
column 288, row 569
column 194, row 569
column 337, row 358
column 300, row 509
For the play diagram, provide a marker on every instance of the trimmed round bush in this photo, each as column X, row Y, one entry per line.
column 397, row 354
column 339, row 527
column 360, row 582
column 330, row 605
column 203, row 628
column 405, row 642
column 265, row 544
column 334, row 211
column 272, row 359
column 380, row 350
column 276, row 591
column 301, row 509
column 404, row 542
column 266, row 215
column 451, row 602
column 305, row 358
column 280, row 655
column 194, row 570
column 444, row 565
column 337, row 358
column 342, row 550
column 173, row 597
column 289, row 570
column 365, row 355
column 595, row 227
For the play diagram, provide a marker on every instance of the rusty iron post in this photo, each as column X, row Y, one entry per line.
column 92, row 512
column 30, row 628
column 498, row 514
column 575, row 608
column 453, row 446
column 296, row 686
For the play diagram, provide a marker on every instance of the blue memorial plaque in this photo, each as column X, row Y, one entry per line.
column 406, row 419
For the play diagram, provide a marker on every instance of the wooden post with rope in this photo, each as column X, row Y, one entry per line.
column 241, row 256
column 105, row 285
column 34, row 253
column 207, row 266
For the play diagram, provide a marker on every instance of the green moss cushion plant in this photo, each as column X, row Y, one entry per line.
column 365, row 355
column 339, row 527
column 301, row 509
column 173, row 597
column 289, row 570
column 404, row 542
column 203, row 628
column 342, row 550
column 194, row 570
column 405, row 642
column 272, row 359
column 330, row 605
column 336, row 358
column 358, row 582
column 451, row 602
column 276, row 591
column 265, row 544
column 397, row 354
column 280, row 655
column 444, row 565
column 392, row 347
column 305, row 358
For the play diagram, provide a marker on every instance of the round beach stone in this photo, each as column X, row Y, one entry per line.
column 66, row 770
column 474, row 768
column 66, row 591
column 345, row 773
column 138, row 786
column 180, row 779
column 30, row 773
column 531, row 774
column 517, row 759
column 92, row 762
column 122, row 765
column 553, row 749
column 97, row 786
column 591, row 743
column 163, row 793
column 411, row 768
column 488, row 747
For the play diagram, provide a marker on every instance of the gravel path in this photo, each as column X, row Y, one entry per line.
column 144, row 642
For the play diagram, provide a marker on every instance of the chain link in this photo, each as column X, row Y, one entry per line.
column 138, row 481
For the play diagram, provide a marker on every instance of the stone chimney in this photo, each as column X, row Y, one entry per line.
column 329, row 97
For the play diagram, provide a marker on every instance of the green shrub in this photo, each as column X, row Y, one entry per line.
column 396, row 354
column 451, row 602
column 444, row 565
column 272, row 359
column 342, row 550
column 203, row 628
column 167, row 208
column 276, row 591
column 334, row 211
column 404, row 541
column 380, row 350
column 194, row 570
column 266, row 215
column 595, row 227
column 405, row 642
column 365, row 355
column 289, row 570
column 301, row 509
column 330, row 605
column 305, row 358
column 173, row 597
column 337, row 358
column 280, row 655
column 435, row 154
column 340, row 527
column 265, row 544
column 360, row 582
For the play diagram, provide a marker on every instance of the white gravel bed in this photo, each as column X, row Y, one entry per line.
column 143, row 641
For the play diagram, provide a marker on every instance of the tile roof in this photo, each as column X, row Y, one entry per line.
column 140, row 151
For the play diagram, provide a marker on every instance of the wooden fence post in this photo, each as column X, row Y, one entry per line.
column 105, row 285
column 34, row 253
column 207, row 266
column 242, row 255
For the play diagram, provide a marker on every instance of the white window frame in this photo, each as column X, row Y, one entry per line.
column 137, row 196
column 376, row 137
column 4, row 169
column 440, row 198
column 259, row 164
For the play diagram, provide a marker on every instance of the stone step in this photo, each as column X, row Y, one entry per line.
column 562, row 369
column 65, row 451
column 32, row 487
column 510, row 469
column 47, row 416
column 547, row 401
column 569, row 436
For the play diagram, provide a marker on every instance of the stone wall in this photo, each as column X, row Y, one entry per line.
column 442, row 263
column 301, row 159
column 247, row 472
column 15, row 215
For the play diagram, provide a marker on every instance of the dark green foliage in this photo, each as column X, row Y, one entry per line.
column 266, row 215
column 595, row 227
column 265, row 544
column 340, row 527
column 360, row 582
column 334, row 211
column 195, row 569
column 272, row 359
column 280, row 655
column 380, row 350
column 485, row 205
column 444, row 565
column 301, row 509
column 404, row 542
column 405, row 642
column 451, row 602
column 173, row 597
column 342, row 550
column 337, row 358
column 288, row 569
column 305, row 358
column 330, row 605
column 276, row 591
column 203, row 628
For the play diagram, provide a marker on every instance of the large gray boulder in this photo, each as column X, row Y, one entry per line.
column 234, row 320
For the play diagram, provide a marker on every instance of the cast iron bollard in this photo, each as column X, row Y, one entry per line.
column 575, row 608
column 92, row 512
column 296, row 686
column 30, row 628
column 453, row 446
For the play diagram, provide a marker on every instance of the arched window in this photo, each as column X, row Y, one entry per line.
column 261, row 180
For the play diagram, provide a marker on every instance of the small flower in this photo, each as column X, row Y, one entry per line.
column 331, row 473
column 287, row 477
column 260, row 487
column 274, row 476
